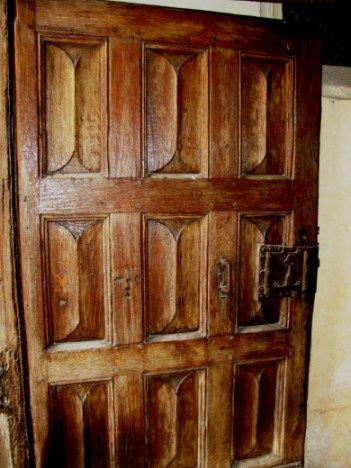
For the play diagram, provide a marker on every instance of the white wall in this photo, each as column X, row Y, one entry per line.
column 266, row 10
column 328, row 441
column 223, row 6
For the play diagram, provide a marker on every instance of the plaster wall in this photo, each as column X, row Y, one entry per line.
column 328, row 439
column 222, row 6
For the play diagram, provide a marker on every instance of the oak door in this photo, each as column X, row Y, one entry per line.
column 156, row 149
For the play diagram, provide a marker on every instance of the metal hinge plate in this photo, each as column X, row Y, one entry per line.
column 4, row 401
column 286, row 271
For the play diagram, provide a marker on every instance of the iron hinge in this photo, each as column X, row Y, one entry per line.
column 4, row 399
column 286, row 271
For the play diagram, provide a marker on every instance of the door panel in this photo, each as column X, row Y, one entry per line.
column 75, row 115
column 255, row 230
column 258, row 400
column 76, row 255
column 267, row 104
column 169, row 147
column 176, row 110
column 175, row 276
column 176, row 418
column 82, row 419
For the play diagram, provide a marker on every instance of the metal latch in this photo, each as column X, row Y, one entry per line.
column 4, row 401
column 286, row 271
column 223, row 277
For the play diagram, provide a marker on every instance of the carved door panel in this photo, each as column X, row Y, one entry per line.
column 156, row 149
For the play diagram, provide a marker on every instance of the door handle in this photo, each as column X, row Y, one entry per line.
column 223, row 277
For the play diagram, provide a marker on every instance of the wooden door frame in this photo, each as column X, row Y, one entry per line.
column 14, row 446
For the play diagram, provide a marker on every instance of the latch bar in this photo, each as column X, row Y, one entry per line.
column 286, row 271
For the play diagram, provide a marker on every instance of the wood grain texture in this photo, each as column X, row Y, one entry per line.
column 130, row 443
column 175, row 275
column 13, row 428
column 138, row 265
column 125, row 107
column 220, row 424
column 160, row 195
column 76, row 252
column 222, row 232
column 306, row 225
column 267, row 105
column 27, row 148
column 82, row 422
column 175, row 418
column 255, row 230
column 224, row 101
column 176, row 111
column 126, row 271
column 71, row 363
column 178, row 26
column 74, row 88
column 258, row 399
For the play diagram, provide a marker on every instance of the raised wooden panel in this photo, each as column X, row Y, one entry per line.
column 176, row 111
column 175, row 276
column 267, row 113
column 76, row 257
column 255, row 230
column 175, row 418
column 258, row 413
column 82, row 425
column 74, row 106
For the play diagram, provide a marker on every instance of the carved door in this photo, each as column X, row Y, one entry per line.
column 156, row 149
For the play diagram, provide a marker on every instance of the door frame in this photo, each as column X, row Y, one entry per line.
column 14, row 422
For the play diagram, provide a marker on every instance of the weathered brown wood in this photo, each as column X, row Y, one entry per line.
column 126, row 278
column 26, row 102
column 172, row 143
column 254, row 230
column 176, row 139
column 150, row 195
column 98, row 360
column 267, row 102
column 224, row 102
column 182, row 26
column 222, row 273
column 74, row 109
column 125, row 106
column 77, row 284
column 130, row 416
column 305, row 229
column 13, row 431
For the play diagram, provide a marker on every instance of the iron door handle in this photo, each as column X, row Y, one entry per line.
column 223, row 277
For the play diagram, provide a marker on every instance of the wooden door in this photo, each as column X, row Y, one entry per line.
column 156, row 149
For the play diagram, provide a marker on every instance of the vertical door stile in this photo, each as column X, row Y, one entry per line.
column 28, row 204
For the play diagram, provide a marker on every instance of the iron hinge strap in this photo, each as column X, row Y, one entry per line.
column 6, row 358
column 286, row 271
